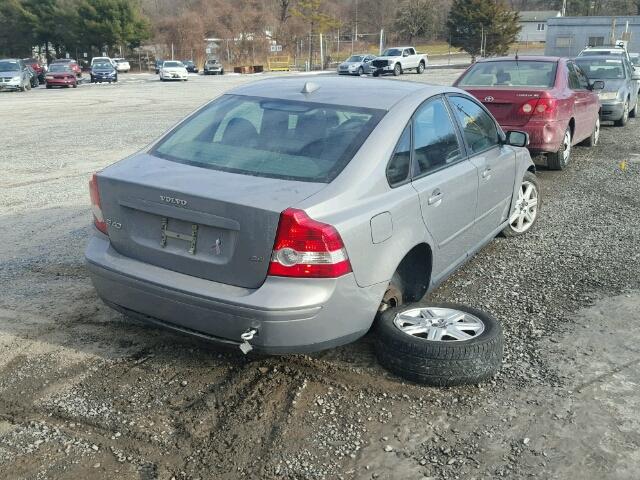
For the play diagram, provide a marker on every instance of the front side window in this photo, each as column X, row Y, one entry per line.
column 584, row 81
column 271, row 137
column 574, row 81
column 435, row 142
column 398, row 168
column 479, row 129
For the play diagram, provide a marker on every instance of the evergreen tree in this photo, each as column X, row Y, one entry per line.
column 472, row 20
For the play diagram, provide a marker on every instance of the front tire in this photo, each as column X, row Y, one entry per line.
column 439, row 344
column 634, row 113
column 593, row 140
column 526, row 207
column 560, row 159
column 360, row 71
column 397, row 70
column 625, row 116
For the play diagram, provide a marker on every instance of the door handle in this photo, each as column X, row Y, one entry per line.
column 435, row 198
column 486, row 174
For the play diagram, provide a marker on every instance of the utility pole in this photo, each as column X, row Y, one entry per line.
column 612, row 39
column 564, row 8
column 321, row 54
column 172, row 51
column 381, row 41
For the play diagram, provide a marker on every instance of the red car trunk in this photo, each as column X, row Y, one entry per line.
column 515, row 107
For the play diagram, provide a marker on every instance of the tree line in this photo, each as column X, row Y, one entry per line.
column 59, row 26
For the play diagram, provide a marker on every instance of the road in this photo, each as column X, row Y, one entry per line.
column 87, row 393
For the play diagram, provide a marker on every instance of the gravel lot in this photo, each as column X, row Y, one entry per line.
column 86, row 393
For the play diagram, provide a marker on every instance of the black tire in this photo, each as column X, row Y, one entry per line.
column 75, row 85
column 48, row 86
column 510, row 230
column 593, row 139
column 376, row 74
column 557, row 160
column 439, row 363
column 420, row 68
column 634, row 113
column 360, row 71
column 625, row 116
column 397, row 70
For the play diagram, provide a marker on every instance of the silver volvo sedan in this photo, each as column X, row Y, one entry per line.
column 287, row 213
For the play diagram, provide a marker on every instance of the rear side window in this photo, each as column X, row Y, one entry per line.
column 479, row 129
column 574, row 81
column 511, row 73
column 271, row 137
column 434, row 138
column 398, row 168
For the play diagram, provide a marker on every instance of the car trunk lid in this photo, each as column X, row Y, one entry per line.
column 206, row 223
column 507, row 105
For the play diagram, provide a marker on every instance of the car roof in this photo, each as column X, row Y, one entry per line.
column 355, row 92
column 528, row 58
column 601, row 57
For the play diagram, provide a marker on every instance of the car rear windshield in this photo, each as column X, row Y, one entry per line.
column 271, row 137
column 172, row 64
column 59, row 67
column 602, row 69
column 9, row 66
column 511, row 73
column 99, row 65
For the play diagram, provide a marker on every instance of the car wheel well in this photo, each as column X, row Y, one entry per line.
column 532, row 169
column 415, row 272
column 572, row 126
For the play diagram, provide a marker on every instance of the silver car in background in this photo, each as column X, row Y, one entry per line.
column 14, row 75
column 290, row 211
column 358, row 64
column 619, row 97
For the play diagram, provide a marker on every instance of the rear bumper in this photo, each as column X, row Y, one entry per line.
column 611, row 111
column 290, row 315
column 544, row 137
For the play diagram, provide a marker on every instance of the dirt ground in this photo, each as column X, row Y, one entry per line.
column 88, row 394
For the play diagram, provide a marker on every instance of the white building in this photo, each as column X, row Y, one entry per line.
column 534, row 25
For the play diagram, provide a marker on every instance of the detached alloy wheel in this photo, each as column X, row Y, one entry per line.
column 525, row 208
column 439, row 344
column 559, row 160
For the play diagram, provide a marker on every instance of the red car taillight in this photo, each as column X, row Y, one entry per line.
column 307, row 248
column 96, row 208
column 545, row 107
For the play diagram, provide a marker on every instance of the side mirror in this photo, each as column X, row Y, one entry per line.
column 516, row 138
column 597, row 85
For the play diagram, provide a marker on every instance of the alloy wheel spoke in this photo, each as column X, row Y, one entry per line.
column 457, row 333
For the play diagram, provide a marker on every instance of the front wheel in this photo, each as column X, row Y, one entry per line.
column 525, row 208
column 361, row 71
column 634, row 113
column 559, row 160
column 592, row 140
column 625, row 116
column 397, row 70
column 376, row 74
column 439, row 344
column 420, row 68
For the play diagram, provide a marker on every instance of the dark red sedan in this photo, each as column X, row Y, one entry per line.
column 61, row 75
column 550, row 98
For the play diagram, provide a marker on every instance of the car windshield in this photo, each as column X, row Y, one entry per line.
column 511, row 73
column 601, row 69
column 59, row 67
column 188, row 62
column 271, row 137
column 102, row 65
column 355, row 58
column 6, row 66
column 392, row 52
column 172, row 64
column 211, row 62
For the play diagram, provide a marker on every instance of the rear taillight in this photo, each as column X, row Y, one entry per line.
column 545, row 107
column 96, row 208
column 307, row 248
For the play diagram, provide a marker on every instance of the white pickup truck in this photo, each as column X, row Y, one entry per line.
column 397, row 60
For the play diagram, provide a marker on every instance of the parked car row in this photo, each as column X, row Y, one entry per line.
column 559, row 102
column 396, row 60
